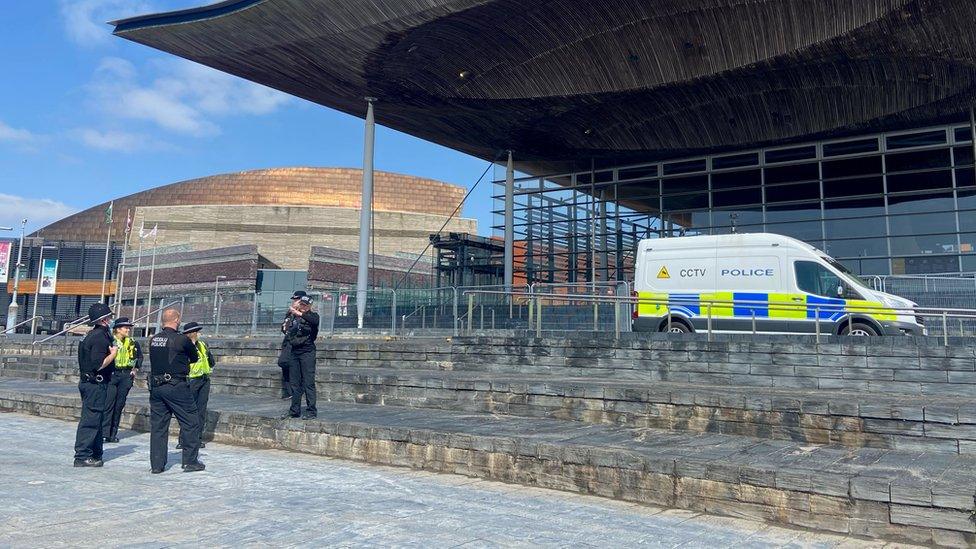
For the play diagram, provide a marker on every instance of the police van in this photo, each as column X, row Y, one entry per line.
column 762, row 281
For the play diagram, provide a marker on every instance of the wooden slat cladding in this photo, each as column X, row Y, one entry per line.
column 66, row 287
column 615, row 80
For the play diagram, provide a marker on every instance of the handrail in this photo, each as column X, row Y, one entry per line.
column 68, row 327
column 150, row 313
column 13, row 328
column 848, row 310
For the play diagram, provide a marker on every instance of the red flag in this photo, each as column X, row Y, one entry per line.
column 128, row 221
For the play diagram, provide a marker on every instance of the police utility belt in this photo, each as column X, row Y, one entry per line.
column 95, row 378
column 164, row 379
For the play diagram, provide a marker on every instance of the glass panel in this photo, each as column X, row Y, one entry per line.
column 920, row 181
column 722, row 218
column 643, row 189
column 934, row 137
column 963, row 156
column 860, row 207
column 920, row 203
column 686, row 202
column 748, row 178
column 686, row 184
column 963, row 134
column 735, row 161
column 931, row 264
column 792, row 212
column 967, row 243
column 785, row 155
column 921, row 224
column 792, row 174
column 860, row 247
column 604, row 177
column 967, row 201
column 923, row 244
column 855, row 227
column 866, row 266
column 852, row 167
column 838, row 188
column 638, row 173
column 687, row 166
column 740, row 197
column 919, row 160
column 850, row 147
column 965, row 178
column 969, row 264
column 967, row 221
column 790, row 193
column 803, row 230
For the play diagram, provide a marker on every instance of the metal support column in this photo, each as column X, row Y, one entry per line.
column 365, row 214
column 509, row 221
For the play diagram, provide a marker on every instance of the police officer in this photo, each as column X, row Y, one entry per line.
column 301, row 328
column 284, row 357
column 199, row 379
column 170, row 356
column 96, row 355
column 128, row 360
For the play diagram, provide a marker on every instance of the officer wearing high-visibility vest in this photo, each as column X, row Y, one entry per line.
column 96, row 356
column 200, row 370
column 128, row 360
column 170, row 356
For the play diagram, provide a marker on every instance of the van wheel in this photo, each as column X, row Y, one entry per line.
column 676, row 327
column 858, row 329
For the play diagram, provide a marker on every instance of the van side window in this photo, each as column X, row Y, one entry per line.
column 814, row 278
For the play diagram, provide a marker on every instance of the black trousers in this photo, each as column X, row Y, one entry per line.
column 88, row 439
column 116, row 391
column 302, row 374
column 165, row 401
column 284, row 362
column 200, row 389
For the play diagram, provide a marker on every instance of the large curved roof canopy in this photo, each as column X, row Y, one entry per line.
column 609, row 79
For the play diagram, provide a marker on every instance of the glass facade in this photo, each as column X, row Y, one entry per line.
column 895, row 203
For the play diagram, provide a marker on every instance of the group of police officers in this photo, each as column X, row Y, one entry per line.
column 109, row 360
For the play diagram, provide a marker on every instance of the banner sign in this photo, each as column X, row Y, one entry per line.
column 4, row 261
column 49, row 276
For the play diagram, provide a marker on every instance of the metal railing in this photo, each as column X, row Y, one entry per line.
column 13, row 329
column 849, row 314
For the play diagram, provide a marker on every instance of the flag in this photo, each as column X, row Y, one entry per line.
column 143, row 234
column 108, row 213
column 128, row 221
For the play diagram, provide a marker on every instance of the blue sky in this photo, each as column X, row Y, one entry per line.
column 86, row 117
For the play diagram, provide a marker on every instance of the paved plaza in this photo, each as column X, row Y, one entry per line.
column 258, row 497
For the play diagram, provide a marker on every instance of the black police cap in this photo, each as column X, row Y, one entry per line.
column 191, row 327
column 298, row 294
column 98, row 311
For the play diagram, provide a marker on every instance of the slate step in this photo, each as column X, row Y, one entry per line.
column 853, row 419
column 902, row 496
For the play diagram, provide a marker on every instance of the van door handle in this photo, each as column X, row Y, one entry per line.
column 797, row 299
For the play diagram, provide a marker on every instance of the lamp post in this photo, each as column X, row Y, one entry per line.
column 12, row 308
column 216, row 311
column 37, row 288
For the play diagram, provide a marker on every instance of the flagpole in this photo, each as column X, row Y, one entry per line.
column 152, row 276
column 108, row 249
column 135, row 295
column 125, row 248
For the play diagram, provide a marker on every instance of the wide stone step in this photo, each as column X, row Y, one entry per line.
column 908, row 496
column 853, row 419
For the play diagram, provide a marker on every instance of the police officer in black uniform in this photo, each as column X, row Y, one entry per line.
column 301, row 328
column 170, row 355
column 96, row 361
column 284, row 357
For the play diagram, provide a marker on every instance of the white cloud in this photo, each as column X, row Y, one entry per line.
column 85, row 20
column 182, row 97
column 116, row 140
column 16, row 135
column 38, row 211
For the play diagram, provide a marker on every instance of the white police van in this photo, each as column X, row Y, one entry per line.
column 774, row 283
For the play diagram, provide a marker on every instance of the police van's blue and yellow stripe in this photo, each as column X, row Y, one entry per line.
column 762, row 305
